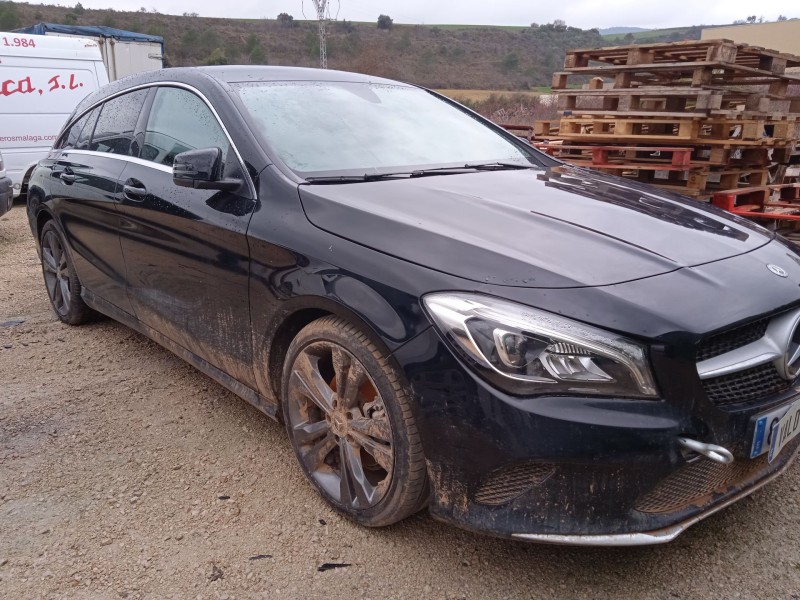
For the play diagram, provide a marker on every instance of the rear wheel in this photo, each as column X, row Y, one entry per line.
column 351, row 426
column 60, row 279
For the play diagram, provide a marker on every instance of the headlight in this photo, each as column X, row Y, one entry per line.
column 526, row 351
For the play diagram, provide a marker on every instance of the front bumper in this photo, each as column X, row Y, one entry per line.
column 587, row 471
column 6, row 195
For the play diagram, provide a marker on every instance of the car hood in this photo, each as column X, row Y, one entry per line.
column 542, row 228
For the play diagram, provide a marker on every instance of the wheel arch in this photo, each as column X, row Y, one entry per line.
column 291, row 320
column 23, row 185
column 42, row 217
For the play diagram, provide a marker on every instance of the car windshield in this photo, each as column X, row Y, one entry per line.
column 331, row 128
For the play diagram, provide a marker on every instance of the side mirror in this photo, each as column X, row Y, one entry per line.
column 202, row 170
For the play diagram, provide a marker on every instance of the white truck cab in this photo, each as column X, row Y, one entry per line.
column 42, row 79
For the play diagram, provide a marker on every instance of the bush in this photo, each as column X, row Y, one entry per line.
column 258, row 56
column 255, row 50
column 385, row 22
column 516, row 109
column 217, row 57
column 286, row 20
column 510, row 62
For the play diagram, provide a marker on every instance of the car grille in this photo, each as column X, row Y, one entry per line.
column 732, row 339
column 697, row 483
column 505, row 484
column 745, row 386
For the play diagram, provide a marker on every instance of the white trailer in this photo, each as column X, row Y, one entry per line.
column 124, row 52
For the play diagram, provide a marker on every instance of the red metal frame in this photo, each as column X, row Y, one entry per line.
column 754, row 202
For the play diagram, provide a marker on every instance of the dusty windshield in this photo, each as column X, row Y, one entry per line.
column 357, row 128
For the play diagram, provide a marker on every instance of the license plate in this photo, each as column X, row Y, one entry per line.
column 764, row 430
column 784, row 431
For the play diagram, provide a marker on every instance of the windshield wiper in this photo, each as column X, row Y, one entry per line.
column 499, row 166
column 354, row 178
column 495, row 166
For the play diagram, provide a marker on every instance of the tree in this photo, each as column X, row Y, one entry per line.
column 258, row 56
column 254, row 49
column 385, row 22
column 782, row 18
column 286, row 20
column 79, row 10
column 217, row 57
column 751, row 19
column 511, row 62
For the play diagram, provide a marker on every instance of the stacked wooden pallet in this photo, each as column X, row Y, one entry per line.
column 699, row 117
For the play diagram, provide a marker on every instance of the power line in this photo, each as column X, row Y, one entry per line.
column 324, row 16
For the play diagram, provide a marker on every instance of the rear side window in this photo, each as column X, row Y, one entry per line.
column 85, row 137
column 180, row 121
column 117, row 123
column 70, row 137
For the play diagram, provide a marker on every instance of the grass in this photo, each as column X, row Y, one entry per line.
column 619, row 37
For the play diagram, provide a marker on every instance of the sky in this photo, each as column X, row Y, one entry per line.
column 579, row 13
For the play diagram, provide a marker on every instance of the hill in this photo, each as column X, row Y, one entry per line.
column 651, row 36
column 622, row 30
column 494, row 58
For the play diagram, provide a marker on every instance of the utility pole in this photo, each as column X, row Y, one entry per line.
column 324, row 15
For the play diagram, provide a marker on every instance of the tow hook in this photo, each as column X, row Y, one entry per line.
column 710, row 451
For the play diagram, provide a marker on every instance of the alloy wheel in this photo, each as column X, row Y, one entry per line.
column 339, row 425
column 56, row 272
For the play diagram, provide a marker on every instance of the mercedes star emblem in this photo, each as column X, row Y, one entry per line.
column 778, row 270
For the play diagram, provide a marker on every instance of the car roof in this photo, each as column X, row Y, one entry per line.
column 246, row 73
column 220, row 77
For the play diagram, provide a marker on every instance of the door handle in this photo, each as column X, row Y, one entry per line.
column 68, row 177
column 134, row 190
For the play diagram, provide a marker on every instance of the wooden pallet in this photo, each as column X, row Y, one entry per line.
column 758, row 202
column 721, row 51
column 526, row 132
column 628, row 156
column 546, row 129
column 695, row 181
column 684, row 130
column 697, row 74
column 671, row 101
column 740, row 156
column 700, row 118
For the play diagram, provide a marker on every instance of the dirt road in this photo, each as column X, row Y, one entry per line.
column 124, row 473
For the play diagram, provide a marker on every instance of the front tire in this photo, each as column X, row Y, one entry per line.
column 60, row 279
column 350, row 423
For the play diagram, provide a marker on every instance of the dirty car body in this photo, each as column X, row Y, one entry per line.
column 591, row 360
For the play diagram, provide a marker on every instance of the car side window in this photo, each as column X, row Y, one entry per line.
column 116, row 125
column 70, row 137
column 85, row 138
column 180, row 121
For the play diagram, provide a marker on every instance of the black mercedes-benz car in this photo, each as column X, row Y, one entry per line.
column 441, row 315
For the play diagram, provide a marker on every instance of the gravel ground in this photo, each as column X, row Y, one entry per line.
column 125, row 473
